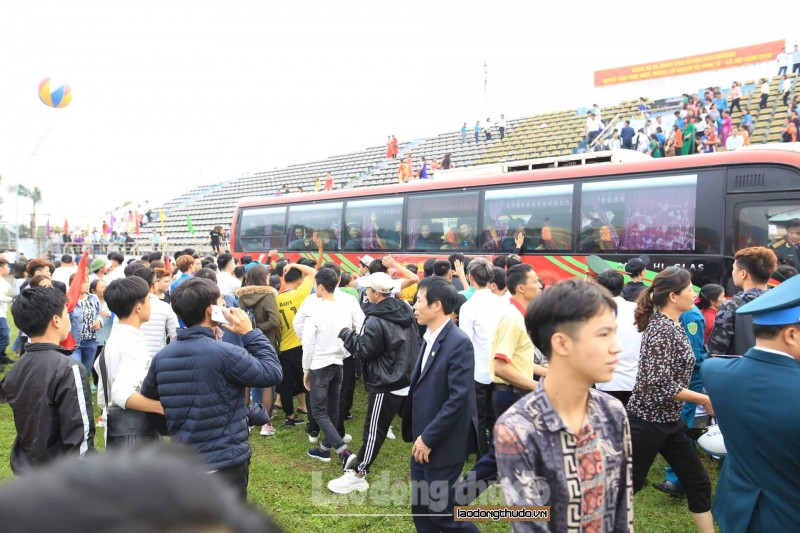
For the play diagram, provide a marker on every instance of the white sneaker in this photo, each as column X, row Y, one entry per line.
column 390, row 434
column 347, row 439
column 348, row 483
column 267, row 430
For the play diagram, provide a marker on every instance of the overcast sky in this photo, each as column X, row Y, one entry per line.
column 167, row 95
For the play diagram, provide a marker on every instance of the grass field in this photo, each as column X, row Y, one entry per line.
column 291, row 487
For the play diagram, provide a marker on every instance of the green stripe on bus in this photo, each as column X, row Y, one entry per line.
column 562, row 266
column 346, row 264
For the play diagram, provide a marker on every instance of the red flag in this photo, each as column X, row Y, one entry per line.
column 66, row 227
column 168, row 265
column 74, row 293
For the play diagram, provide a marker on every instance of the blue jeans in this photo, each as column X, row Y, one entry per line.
column 5, row 336
column 687, row 413
column 85, row 352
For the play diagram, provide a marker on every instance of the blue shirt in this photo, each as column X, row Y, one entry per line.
column 679, row 123
column 722, row 103
column 423, row 172
column 183, row 277
column 747, row 120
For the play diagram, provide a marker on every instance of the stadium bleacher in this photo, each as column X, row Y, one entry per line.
column 542, row 135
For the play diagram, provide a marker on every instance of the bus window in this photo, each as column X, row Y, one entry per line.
column 444, row 221
column 655, row 214
column 262, row 228
column 542, row 214
column 309, row 220
column 373, row 225
column 767, row 225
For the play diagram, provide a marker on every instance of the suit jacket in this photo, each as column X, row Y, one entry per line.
column 755, row 398
column 441, row 402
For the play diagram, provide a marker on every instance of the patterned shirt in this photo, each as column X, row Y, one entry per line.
column 721, row 338
column 88, row 316
column 585, row 478
column 666, row 362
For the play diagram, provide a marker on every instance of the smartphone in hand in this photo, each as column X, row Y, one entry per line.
column 218, row 316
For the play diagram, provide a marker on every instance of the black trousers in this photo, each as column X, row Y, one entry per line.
column 502, row 133
column 672, row 441
column 237, row 476
column 345, row 399
column 735, row 105
column 621, row 395
column 432, row 498
column 486, row 418
column 292, row 366
column 381, row 408
column 763, row 102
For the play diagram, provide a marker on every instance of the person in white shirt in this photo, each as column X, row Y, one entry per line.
column 323, row 356
column 783, row 61
column 478, row 318
column 116, row 269
column 592, row 127
column 163, row 323
column 5, row 299
column 487, row 129
column 764, row 92
column 624, row 377
column 225, row 279
column 126, row 359
column 735, row 141
column 307, row 308
column 67, row 268
column 502, row 126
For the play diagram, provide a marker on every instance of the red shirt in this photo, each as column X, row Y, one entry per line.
column 329, row 183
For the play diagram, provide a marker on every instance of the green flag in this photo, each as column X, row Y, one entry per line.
column 189, row 225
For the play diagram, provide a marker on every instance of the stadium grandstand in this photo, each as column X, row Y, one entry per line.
column 545, row 135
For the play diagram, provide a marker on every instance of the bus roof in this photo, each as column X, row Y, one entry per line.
column 781, row 154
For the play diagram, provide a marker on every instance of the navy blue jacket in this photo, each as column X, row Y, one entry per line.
column 200, row 382
column 755, row 398
column 441, row 403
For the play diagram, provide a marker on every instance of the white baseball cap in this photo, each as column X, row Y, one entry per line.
column 380, row 282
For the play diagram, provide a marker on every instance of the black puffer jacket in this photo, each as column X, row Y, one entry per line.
column 388, row 344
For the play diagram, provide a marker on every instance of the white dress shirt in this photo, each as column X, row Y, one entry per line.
column 478, row 318
column 430, row 337
column 322, row 346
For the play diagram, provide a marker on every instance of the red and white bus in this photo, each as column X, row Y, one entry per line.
column 694, row 211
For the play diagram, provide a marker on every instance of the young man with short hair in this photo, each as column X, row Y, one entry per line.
column 126, row 357
column 566, row 444
column 732, row 333
column 48, row 391
column 225, row 279
column 201, row 381
column 298, row 282
column 162, row 327
column 116, row 269
column 323, row 355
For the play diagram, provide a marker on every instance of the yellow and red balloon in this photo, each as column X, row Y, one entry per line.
column 55, row 94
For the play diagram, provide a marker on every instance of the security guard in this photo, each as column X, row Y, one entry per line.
column 755, row 398
column 787, row 248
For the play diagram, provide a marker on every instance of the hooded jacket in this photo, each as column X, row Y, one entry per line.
column 388, row 345
column 262, row 300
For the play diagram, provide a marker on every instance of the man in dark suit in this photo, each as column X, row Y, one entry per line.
column 755, row 398
column 440, row 416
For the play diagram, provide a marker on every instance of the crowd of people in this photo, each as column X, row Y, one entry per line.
column 565, row 394
column 702, row 125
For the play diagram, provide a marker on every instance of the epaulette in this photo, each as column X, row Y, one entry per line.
column 778, row 243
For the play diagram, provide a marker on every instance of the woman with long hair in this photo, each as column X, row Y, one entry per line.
column 708, row 301
column 666, row 362
column 259, row 300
